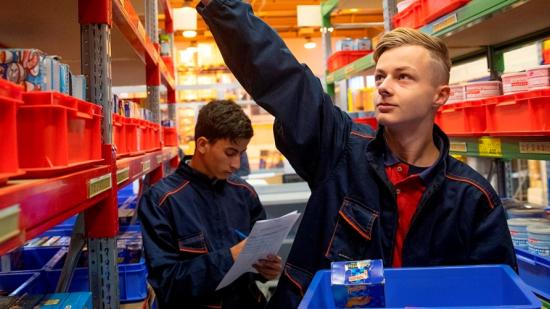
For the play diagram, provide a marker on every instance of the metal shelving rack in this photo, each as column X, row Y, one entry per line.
column 473, row 30
column 40, row 204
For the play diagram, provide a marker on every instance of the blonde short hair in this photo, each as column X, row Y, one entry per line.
column 407, row 36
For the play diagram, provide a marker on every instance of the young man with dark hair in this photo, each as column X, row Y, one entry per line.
column 395, row 194
column 194, row 220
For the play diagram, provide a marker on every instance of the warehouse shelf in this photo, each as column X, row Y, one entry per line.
column 528, row 147
column 130, row 169
column 42, row 203
column 127, row 21
column 471, row 28
column 29, row 207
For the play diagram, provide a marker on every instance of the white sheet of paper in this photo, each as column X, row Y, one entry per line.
column 265, row 238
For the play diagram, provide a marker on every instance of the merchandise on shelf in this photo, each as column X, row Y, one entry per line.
column 518, row 230
column 30, row 68
column 362, row 44
column 483, row 90
column 344, row 44
column 514, row 82
column 538, row 238
column 78, row 86
column 538, row 77
column 457, row 93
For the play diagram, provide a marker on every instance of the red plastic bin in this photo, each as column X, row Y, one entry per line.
column 57, row 133
column 170, row 136
column 10, row 99
column 134, row 132
column 465, row 118
column 370, row 121
column 433, row 9
column 508, row 115
column 342, row 58
column 119, row 135
column 539, row 108
column 411, row 17
column 151, row 136
column 145, row 135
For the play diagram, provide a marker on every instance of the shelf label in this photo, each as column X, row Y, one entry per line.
column 122, row 175
column 459, row 147
column 349, row 69
column 534, row 147
column 444, row 23
column 146, row 166
column 159, row 159
column 490, row 147
column 9, row 219
column 99, row 185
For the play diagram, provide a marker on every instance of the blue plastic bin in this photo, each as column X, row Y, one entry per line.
column 488, row 286
column 535, row 271
column 21, row 282
column 132, row 279
column 28, row 259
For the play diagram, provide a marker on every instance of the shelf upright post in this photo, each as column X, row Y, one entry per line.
column 95, row 18
column 327, row 48
column 390, row 8
column 152, row 69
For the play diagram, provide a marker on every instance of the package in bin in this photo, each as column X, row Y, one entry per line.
column 358, row 284
column 77, row 300
column 30, row 68
column 363, row 44
column 64, row 79
column 78, row 86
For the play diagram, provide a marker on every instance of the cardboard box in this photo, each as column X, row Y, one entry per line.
column 30, row 68
column 358, row 284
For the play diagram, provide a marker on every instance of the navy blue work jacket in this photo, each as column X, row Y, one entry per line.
column 189, row 223
column 352, row 211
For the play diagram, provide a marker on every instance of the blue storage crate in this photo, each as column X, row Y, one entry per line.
column 439, row 287
column 535, row 271
column 126, row 197
column 19, row 283
column 132, row 279
column 27, row 259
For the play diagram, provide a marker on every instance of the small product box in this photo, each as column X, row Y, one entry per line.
column 30, row 68
column 78, row 86
column 514, row 82
column 538, row 77
column 457, row 94
column 363, row 44
column 345, row 44
column 358, row 284
column 483, row 90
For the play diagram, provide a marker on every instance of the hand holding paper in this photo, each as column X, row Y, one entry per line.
column 265, row 239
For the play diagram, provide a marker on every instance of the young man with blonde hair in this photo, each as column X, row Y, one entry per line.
column 395, row 194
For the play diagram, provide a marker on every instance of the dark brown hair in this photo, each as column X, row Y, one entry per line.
column 221, row 119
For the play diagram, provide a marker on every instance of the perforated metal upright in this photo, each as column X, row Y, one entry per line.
column 153, row 69
column 95, row 18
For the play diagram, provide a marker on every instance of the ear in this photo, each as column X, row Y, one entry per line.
column 202, row 145
column 441, row 96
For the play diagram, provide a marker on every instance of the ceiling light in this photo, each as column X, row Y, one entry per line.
column 310, row 44
column 189, row 33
